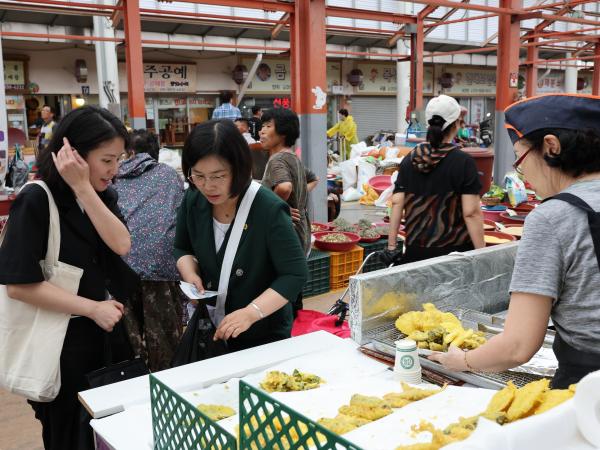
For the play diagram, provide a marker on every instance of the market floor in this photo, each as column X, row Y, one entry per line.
column 19, row 430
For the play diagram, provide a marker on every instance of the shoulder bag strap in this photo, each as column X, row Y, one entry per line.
column 593, row 218
column 231, row 249
column 52, row 253
column 53, row 249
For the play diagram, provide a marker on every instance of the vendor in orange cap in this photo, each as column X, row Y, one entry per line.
column 556, row 139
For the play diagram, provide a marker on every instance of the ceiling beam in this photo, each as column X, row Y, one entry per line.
column 280, row 26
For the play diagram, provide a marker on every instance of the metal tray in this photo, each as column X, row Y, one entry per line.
column 383, row 339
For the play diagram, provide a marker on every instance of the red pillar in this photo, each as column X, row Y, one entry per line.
column 416, row 59
column 309, row 54
column 309, row 91
column 509, row 44
column 532, row 70
column 134, row 62
column 596, row 78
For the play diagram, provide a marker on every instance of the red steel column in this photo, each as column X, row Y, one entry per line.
column 309, row 91
column 134, row 62
column 416, row 58
column 596, row 78
column 531, row 70
column 507, row 77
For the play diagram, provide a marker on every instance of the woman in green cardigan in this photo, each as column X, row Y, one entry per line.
column 269, row 269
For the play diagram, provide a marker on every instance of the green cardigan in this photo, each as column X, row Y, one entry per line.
column 269, row 256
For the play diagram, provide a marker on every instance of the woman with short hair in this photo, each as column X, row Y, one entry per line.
column 269, row 269
column 556, row 139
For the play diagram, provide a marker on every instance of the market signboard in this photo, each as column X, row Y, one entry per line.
column 274, row 76
column 550, row 83
column 465, row 81
column 14, row 75
column 169, row 77
column 380, row 78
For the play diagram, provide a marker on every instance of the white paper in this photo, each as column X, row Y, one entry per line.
column 192, row 293
column 587, row 407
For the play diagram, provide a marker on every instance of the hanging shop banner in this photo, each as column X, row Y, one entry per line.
column 551, row 82
column 201, row 102
column 380, row 78
column 460, row 80
column 169, row 77
column 14, row 75
column 171, row 102
column 274, row 76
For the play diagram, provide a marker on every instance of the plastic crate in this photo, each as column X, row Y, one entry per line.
column 178, row 425
column 343, row 266
column 318, row 274
column 266, row 423
column 374, row 263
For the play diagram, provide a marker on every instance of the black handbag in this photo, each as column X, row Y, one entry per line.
column 113, row 373
column 197, row 341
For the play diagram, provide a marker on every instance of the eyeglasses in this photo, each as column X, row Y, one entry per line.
column 518, row 162
column 202, row 179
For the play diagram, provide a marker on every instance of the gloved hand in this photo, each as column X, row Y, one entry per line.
column 390, row 256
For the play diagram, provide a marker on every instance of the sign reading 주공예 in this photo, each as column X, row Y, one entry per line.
column 169, row 77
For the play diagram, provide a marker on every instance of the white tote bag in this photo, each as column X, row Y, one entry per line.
column 31, row 338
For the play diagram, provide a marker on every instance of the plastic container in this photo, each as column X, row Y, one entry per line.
column 343, row 266
column 335, row 246
column 489, row 225
column 318, row 274
column 484, row 160
column 507, row 219
column 366, row 240
column 493, row 213
column 514, row 230
column 321, row 226
column 500, row 235
column 380, row 183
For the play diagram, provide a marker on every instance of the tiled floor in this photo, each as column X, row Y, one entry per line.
column 19, row 430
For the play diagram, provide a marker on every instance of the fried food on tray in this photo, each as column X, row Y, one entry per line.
column 415, row 394
column 527, row 399
column 436, row 330
column 342, row 423
column 216, row 412
column 365, row 400
column 396, row 400
column 502, row 399
column 507, row 405
column 553, row 398
column 365, row 412
column 277, row 381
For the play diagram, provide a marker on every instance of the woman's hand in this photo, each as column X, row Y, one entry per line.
column 72, row 167
column 295, row 213
column 107, row 314
column 196, row 281
column 453, row 359
column 236, row 323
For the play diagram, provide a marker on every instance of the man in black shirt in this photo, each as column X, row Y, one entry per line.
column 255, row 122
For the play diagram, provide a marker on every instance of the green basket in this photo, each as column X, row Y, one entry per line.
column 318, row 274
column 178, row 425
column 265, row 423
column 374, row 263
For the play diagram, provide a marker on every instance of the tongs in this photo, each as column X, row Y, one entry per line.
column 340, row 308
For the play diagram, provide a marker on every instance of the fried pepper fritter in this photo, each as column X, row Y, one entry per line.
column 502, row 399
column 365, row 412
column 342, row 423
column 553, row 398
column 216, row 412
column 277, row 381
column 527, row 399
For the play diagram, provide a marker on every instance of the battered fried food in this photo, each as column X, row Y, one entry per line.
column 553, row 398
column 277, row 381
column 396, row 400
column 527, row 399
column 436, row 330
column 415, row 394
column 365, row 400
column 342, row 423
column 501, row 399
column 216, row 412
column 365, row 412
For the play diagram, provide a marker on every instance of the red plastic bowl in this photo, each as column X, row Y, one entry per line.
column 321, row 226
column 489, row 223
column 508, row 237
column 335, row 246
column 380, row 183
column 369, row 240
column 507, row 219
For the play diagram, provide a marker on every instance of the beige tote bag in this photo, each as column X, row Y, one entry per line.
column 31, row 338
